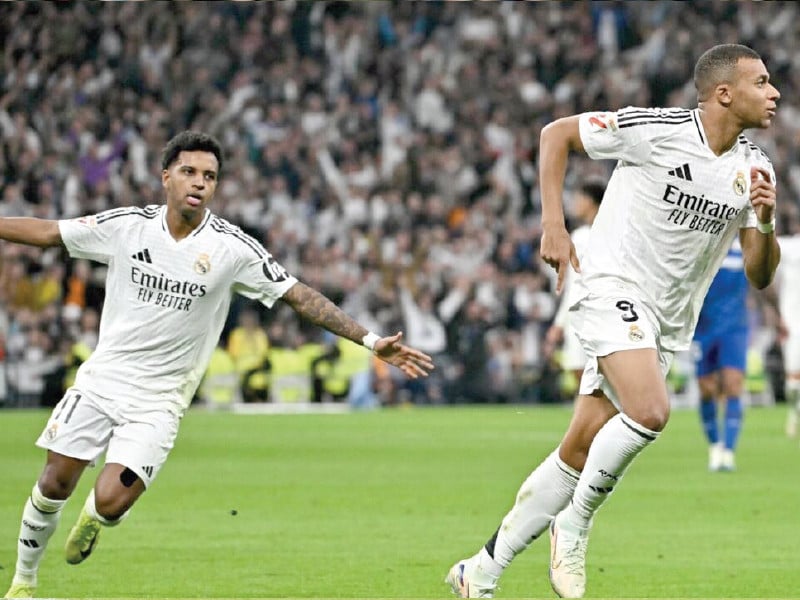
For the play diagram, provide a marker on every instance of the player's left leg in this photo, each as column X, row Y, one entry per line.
column 733, row 362
column 116, row 490
column 637, row 380
column 136, row 453
column 732, row 386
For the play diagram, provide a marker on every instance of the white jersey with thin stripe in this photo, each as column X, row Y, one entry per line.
column 788, row 282
column 166, row 301
column 669, row 214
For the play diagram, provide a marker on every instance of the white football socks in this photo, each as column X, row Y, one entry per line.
column 615, row 446
column 40, row 518
column 545, row 492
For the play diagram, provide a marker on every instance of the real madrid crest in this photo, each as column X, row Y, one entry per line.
column 51, row 432
column 203, row 264
column 740, row 184
column 635, row 334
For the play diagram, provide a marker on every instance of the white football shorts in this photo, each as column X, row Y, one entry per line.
column 573, row 358
column 608, row 323
column 83, row 426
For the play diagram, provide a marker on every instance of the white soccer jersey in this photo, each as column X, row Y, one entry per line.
column 669, row 214
column 166, row 300
column 788, row 282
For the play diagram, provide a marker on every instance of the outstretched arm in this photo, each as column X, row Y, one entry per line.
column 34, row 232
column 316, row 308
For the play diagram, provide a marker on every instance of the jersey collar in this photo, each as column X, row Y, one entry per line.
column 699, row 126
column 198, row 229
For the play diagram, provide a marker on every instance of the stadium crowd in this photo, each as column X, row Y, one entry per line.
column 384, row 152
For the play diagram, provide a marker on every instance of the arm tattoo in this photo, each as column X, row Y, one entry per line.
column 316, row 308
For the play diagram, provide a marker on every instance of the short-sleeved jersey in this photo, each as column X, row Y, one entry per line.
column 725, row 305
column 670, row 212
column 166, row 300
column 788, row 282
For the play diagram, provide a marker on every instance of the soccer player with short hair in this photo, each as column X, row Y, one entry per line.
column 721, row 339
column 172, row 270
column 686, row 182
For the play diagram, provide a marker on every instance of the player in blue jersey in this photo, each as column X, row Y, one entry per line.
column 721, row 338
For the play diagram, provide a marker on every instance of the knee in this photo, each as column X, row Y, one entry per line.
column 56, row 485
column 111, row 506
column 654, row 416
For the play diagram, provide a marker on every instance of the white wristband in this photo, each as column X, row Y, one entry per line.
column 765, row 227
column 370, row 339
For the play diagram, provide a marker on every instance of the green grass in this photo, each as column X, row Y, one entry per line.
column 379, row 505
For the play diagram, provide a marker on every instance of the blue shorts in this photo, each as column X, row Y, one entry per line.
column 721, row 350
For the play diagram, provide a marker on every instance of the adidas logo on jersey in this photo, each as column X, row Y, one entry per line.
column 148, row 470
column 682, row 172
column 142, row 255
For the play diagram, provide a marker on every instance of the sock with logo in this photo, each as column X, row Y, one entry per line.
column 615, row 446
column 39, row 521
column 90, row 508
column 733, row 421
column 541, row 497
column 708, row 417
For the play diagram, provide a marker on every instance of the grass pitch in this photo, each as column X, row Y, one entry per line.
column 381, row 504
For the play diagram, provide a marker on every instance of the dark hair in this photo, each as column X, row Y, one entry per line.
column 594, row 189
column 190, row 141
column 717, row 65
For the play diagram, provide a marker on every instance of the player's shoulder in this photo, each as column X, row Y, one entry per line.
column 136, row 213
column 753, row 151
column 654, row 117
column 234, row 237
column 121, row 217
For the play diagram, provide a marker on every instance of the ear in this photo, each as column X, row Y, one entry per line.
column 723, row 94
column 164, row 177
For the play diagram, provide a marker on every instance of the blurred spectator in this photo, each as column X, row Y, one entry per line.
column 249, row 346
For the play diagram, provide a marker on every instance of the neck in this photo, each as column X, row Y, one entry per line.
column 721, row 132
column 181, row 225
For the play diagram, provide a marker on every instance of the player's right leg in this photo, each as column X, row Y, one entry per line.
column 40, row 517
column 545, row 492
column 708, row 380
column 74, row 435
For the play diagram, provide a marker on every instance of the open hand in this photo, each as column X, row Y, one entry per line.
column 410, row 361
